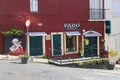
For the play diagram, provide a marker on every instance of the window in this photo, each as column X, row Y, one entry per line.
column 96, row 9
column 71, row 43
column 34, row 5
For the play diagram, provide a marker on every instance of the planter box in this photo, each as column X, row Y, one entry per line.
column 24, row 60
column 98, row 65
column 94, row 66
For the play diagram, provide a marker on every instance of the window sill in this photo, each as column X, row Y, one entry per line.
column 96, row 19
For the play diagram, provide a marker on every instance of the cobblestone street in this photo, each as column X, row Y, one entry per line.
column 13, row 70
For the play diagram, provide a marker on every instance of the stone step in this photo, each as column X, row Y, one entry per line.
column 8, row 57
column 39, row 60
column 117, row 67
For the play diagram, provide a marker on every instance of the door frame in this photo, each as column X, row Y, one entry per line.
column 55, row 33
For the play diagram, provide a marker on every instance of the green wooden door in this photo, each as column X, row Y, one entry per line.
column 90, row 46
column 36, row 46
column 57, row 45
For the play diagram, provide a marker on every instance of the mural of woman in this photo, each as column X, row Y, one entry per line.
column 16, row 48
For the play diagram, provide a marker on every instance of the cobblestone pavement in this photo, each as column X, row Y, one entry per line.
column 13, row 70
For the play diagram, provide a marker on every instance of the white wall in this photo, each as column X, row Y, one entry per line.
column 112, row 14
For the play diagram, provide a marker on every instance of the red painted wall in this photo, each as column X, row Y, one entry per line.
column 53, row 14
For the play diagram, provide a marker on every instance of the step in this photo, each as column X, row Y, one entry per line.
column 68, row 61
column 117, row 67
column 8, row 57
column 39, row 60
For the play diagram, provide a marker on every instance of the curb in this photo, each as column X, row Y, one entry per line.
column 8, row 57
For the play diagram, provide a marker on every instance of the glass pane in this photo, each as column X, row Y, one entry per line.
column 34, row 5
column 71, row 43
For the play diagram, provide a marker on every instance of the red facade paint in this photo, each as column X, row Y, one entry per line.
column 53, row 14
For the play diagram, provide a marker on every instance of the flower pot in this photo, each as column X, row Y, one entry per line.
column 24, row 60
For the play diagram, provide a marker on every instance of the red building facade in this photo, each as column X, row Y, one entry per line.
column 57, row 27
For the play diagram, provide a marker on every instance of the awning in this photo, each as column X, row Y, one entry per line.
column 72, row 33
column 37, row 34
column 91, row 34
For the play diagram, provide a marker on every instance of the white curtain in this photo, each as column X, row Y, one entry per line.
column 96, row 4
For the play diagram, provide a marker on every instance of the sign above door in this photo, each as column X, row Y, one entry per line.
column 71, row 26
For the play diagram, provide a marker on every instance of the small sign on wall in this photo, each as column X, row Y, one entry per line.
column 108, row 27
column 48, row 37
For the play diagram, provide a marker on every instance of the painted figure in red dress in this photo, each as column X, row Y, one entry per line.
column 16, row 49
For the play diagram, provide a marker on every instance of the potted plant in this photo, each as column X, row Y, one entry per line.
column 113, row 56
column 24, row 58
column 101, row 63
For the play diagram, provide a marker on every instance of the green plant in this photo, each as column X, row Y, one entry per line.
column 102, row 60
column 91, row 61
column 13, row 31
column 24, row 56
column 113, row 56
column 113, row 53
column 80, row 63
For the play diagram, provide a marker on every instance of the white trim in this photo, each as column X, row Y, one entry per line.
column 28, row 45
column 98, row 46
column 96, row 20
column 55, row 33
column 91, row 33
column 44, row 49
column 82, row 46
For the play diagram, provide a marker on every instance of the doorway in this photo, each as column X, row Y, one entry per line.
column 36, row 46
column 90, row 46
column 56, row 45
